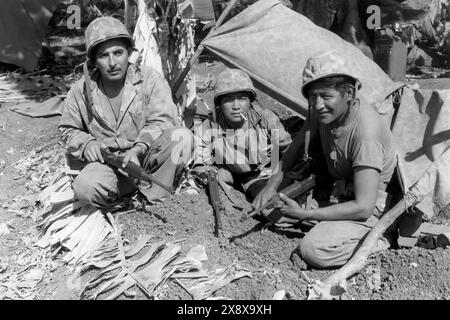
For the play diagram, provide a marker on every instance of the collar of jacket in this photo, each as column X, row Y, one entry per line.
column 134, row 76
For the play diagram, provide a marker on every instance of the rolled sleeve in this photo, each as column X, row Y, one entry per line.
column 368, row 153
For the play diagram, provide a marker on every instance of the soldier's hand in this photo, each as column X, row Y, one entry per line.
column 291, row 209
column 92, row 152
column 263, row 197
column 132, row 155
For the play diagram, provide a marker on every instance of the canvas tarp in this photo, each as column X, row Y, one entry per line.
column 272, row 43
column 421, row 131
column 22, row 29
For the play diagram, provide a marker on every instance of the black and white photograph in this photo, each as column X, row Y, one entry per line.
column 236, row 158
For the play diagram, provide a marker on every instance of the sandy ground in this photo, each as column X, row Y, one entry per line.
column 395, row 274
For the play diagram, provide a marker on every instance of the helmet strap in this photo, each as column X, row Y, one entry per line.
column 87, row 82
column 311, row 127
column 88, row 93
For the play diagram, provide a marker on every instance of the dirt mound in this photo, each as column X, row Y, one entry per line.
column 395, row 274
column 265, row 254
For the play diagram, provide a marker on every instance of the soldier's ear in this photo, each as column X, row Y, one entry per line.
column 90, row 64
column 350, row 91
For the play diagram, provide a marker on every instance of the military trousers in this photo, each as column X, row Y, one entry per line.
column 102, row 185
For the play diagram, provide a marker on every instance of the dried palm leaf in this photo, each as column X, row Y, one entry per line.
column 203, row 287
column 67, row 224
column 88, row 239
column 121, row 272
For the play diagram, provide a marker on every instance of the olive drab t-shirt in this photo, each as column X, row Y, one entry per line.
column 364, row 140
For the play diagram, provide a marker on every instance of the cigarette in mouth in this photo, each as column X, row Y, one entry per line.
column 243, row 117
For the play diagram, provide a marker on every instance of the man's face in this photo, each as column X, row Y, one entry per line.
column 329, row 104
column 111, row 59
column 233, row 104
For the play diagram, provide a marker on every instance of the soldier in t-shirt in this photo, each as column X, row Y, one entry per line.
column 359, row 152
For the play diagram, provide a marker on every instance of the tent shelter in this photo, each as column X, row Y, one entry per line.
column 272, row 43
column 22, row 29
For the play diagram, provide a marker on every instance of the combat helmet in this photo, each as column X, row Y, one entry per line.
column 233, row 80
column 102, row 29
column 326, row 64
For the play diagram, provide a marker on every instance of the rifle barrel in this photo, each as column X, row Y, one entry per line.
column 216, row 201
column 132, row 169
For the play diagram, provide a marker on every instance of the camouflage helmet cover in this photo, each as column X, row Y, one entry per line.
column 324, row 65
column 102, row 29
column 233, row 80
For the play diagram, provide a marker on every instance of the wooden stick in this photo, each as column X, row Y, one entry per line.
column 215, row 200
column 179, row 79
column 126, row 13
column 358, row 261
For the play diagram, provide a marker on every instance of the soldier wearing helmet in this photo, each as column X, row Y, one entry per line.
column 125, row 109
column 358, row 149
column 239, row 136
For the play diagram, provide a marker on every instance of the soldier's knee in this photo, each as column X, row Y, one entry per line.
column 96, row 186
column 321, row 249
column 311, row 252
column 84, row 188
